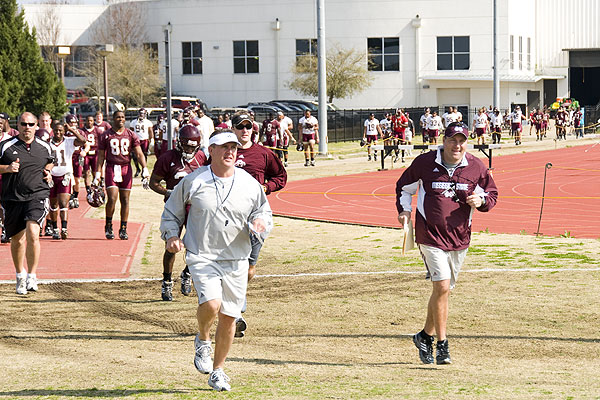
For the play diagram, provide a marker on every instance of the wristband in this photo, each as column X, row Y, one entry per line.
column 98, row 175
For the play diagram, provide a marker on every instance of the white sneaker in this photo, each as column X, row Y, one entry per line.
column 202, row 359
column 21, row 286
column 32, row 284
column 219, row 381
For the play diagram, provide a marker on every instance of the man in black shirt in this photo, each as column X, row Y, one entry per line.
column 25, row 165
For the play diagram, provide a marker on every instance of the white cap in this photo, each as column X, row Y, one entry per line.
column 224, row 137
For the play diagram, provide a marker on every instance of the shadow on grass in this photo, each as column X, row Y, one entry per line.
column 93, row 392
column 474, row 337
column 265, row 361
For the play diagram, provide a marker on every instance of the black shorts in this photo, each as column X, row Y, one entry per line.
column 17, row 213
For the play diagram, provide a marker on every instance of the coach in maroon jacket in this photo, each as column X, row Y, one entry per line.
column 267, row 169
column 451, row 185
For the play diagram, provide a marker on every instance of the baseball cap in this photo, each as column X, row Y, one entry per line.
column 457, row 128
column 239, row 118
column 4, row 115
column 223, row 137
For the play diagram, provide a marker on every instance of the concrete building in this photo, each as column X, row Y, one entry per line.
column 425, row 52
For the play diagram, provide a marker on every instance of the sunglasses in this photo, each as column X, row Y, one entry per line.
column 30, row 124
column 243, row 126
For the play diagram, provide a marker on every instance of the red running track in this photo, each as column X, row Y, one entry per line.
column 570, row 205
column 86, row 254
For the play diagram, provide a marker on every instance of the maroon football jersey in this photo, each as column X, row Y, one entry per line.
column 103, row 127
column 270, row 129
column 118, row 146
column 172, row 168
column 263, row 165
column 92, row 136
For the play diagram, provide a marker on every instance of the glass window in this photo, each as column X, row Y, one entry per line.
column 191, row 58
column 306, row 47
column 453, row 53
column 245, row 57
column 383, row 54
column 520, row 52
column 512, row 52
column 529, row 53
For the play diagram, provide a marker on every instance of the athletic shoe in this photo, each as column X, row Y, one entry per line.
column 306, row 163
column 375, row 156
column 312, row 163
column 369, row 158
column 186, row 283
column 219, row 381
column 75, row 202
column 167, row 290
column 285, row 164
column 137, row 173
column 4, row 238
column 21, row 286
column 32, row 284
column 425, row 347
column 240, row 327
column 55, row 234
column 443, row 353
column 48, row 231
column 202, row 360
column 64, row 234
column 109, row 232
column 395, row 159
column 123, row 234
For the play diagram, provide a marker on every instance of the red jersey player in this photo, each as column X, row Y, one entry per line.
column 117, row 146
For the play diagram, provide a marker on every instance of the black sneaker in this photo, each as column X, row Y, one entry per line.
column 48, row 231
column 55, row 234
column 240, row 327
column 109, row 232
column 167, row 290
column 186, row 283
column 64, row 234
column 123, row 234
column 443, row 353
column 425, row 347
column 369, row 158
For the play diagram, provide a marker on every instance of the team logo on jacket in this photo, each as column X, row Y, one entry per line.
column 240, row 163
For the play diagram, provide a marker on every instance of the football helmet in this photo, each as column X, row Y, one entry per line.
column 362, row 142
column 299, row 146
column 96, row 196
column 142, row 113
column 70, row 119
column 189, row 135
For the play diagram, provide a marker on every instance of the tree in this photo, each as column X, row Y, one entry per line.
column 347, row 74
column 133, row 73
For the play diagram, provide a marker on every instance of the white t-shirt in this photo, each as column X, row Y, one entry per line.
column 449, row 118
column 434, row 123
column 174, row 128
column 481, row 120
column 207, row 127
column 285, row 123
column 457, row 116
column 496, row 120
column 516, row 116
column 386, row 125
column 423, row 120
column 64, row 156
column 141, row 128
column 308, row 125
column 371, row 126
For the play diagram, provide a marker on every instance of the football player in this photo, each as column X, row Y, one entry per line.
column 117, row 147
column 143, row 129
column 310, row 136
column 60, row 192
column 71, row 128
column 92, row 135
column 171, row 167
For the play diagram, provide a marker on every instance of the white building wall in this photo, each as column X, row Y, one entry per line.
column 217, row 23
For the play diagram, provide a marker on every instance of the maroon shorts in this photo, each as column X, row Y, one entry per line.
column 399, row 135
column 479, row 131
column 497, row 129
column 306, row 137
column 77, row 169
column 126, row 175
column 371, row 138
column 433, row 132
column 59, row 187
column 90, row 163
column 515, row 126
column 144, row 145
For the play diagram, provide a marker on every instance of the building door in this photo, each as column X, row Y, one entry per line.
column 584, row 76
column 550, row 91
column 533, row 99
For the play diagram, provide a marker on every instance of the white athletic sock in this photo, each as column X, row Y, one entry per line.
column 203, row 342
column 32, row 276
column 245, row 304
column 21, row 275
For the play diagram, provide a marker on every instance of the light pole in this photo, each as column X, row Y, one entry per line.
column 168, row 29
column 63, row 52
column 104, row 50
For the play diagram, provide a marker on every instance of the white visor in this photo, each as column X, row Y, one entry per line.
column 224, row 137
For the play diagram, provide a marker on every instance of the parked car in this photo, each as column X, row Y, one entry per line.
column 90, row 108
column 76, row 96
column 183, row 102
column 153, row 112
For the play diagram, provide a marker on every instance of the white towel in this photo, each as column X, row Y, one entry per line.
column 118, row 177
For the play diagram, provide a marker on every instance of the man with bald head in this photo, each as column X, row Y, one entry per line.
column 25, row 165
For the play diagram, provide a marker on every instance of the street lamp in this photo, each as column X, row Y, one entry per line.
column 104, row 50
column 63, row 52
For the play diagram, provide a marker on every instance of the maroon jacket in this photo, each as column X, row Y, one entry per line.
column 263, row 165
column 443, row 218
column 171, row 167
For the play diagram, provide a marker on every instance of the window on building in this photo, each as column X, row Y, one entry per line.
column 191, row 57
column 453, row 53
column 245, row 56
column 306, row 48
column 529, row 53
column 383, row 54
column 77, row 64
column 153, row 49
column 520, row 52
column 512, row 52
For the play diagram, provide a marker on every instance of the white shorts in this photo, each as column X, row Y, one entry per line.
column 223, row 280
column 443, row 265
